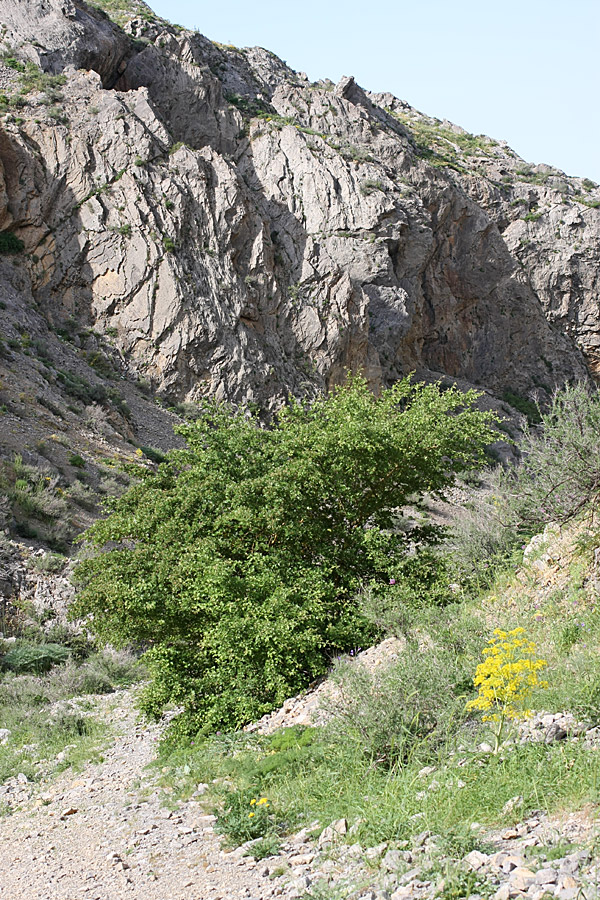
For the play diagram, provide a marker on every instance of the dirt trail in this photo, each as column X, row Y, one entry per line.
column 103, row 834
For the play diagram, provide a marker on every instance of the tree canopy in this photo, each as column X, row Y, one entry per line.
column 237, row 562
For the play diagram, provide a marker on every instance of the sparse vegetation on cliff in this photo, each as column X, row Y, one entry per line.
column 10, row 243
column 121, row 11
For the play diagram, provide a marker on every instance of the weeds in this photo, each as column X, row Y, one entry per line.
column 506, row 679
column 25, row 658
column 44, row 720
column 370, row 186
column 556, row 481
column 405, row 707
column 153, row 454
column 363, row 767
column 32, row 80
column 78, row 387
column 82, row 496
column 443, row 147
column 35, row 501
column 327, row 780
column 483, row 537
column 246, row 817
column 527, row 407
column 560, row 470
column 50, row 562
column 121, row 11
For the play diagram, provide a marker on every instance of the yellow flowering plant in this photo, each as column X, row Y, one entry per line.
column 245, row 817
column 505, row 679
column 262, row 805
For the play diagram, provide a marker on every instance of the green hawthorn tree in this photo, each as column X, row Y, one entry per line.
column 237, row 562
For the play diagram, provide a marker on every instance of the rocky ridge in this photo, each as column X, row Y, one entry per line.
column 23, row 580
column 234, row 230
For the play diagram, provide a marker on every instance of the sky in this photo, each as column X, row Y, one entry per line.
column 524, row 71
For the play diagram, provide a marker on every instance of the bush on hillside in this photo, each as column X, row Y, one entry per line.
column 423, row 579
column 559, row 475
column 26, row 658
column 416, row 699
column 485, row 530
column 238, row 560
column 10, row 243
column 557, row 479
column 101, row 673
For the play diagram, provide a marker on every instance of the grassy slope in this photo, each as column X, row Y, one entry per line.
column 326, row 774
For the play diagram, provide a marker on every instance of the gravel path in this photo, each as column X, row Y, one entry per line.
column 104, row 835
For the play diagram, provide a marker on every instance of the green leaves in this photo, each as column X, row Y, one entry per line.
column 239, row 559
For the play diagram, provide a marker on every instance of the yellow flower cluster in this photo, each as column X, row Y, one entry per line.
column 263, row 801
column 507, row 676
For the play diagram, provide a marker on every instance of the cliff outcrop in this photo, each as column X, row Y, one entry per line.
column 232, row 229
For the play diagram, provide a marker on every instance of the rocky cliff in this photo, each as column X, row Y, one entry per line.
column 231, row 229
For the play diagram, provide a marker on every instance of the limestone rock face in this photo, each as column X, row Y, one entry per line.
column 237, row 231
column 57, row 33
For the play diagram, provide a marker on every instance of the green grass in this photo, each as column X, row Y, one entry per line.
column 31, row 79
column 523, row 404
column 34, row 79
column 326, row 781
column 25, row 657
column 443, row 147
column 570, row 640
column 34, row 496
column 36, row 741
column 370, row 186
column 318, row 774
column 254, row 107
column 563, row 619
column 80, row 389
column 527, row 175
column 592, row 204
column 43, row 724
column 154, row 454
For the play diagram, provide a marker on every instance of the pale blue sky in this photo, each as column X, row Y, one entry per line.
column 526, row 71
